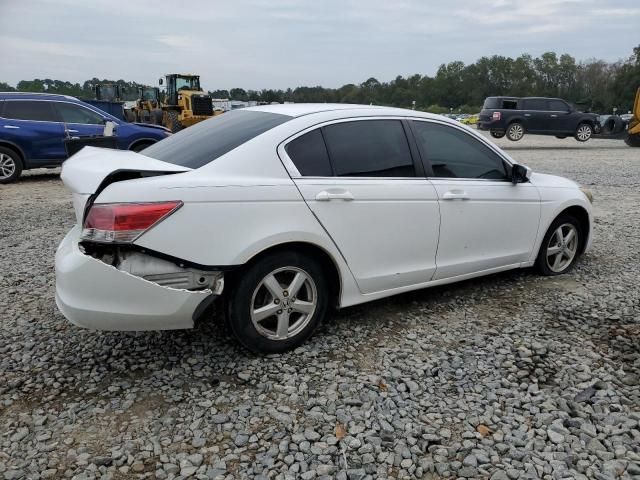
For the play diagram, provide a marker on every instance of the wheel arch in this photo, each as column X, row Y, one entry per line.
column 17, row 149
column 580, row 214
column 139, row 141
column 327, row 261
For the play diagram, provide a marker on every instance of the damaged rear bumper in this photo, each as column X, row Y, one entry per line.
column 95, row 295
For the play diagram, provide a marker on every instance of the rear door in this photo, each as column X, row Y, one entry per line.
column 32, row 125
column 364, row 184
column 79, row 121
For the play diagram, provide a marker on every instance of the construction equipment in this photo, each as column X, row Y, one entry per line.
column 108, row 92
column 185, row 103
column 147, row 108
column 633, row 128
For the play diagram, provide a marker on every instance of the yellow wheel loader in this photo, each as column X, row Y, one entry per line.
column 147, row 108
column 633, row 128
column 184, row 103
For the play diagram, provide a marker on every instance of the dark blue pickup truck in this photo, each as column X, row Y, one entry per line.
column 34, row 126
column 513, row 117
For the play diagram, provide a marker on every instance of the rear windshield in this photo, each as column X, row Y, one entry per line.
column 204, row 142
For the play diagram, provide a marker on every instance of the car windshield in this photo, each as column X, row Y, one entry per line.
column 204, row 142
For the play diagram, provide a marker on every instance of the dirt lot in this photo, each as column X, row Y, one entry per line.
column 506, row 377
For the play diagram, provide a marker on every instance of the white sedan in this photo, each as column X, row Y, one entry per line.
column 286, row 211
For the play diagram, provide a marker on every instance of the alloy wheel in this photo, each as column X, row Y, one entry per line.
column 516, row 131
column 562, row 247
column 584, row 133
column 283, row 303
column 7, row 166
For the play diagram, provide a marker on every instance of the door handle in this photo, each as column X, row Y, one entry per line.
column 13, row 127
column 554, row 116
column 325, row 196
column 455, row 195
column 527, row 114
column 72, row 131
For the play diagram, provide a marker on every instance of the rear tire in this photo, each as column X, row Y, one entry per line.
column 633, row 140
column 497, row 133
column 278, row 302
column 584, row 132
column 560, row 249
column 10, row 165
column 515, row 131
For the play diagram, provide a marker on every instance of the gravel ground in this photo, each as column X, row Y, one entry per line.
column 511, row 376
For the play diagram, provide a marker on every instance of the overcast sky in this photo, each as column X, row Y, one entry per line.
column 257, row 44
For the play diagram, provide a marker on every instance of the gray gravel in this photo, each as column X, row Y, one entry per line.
column 510, row 377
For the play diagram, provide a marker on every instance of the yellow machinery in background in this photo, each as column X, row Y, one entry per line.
column 184, row 102
column 633, row 128
column 147, row 108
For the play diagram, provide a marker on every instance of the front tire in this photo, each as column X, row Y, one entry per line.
column 584, row 132
column 560, row 247
column 10, row 165
column 515, row 131
column 278, row 302
column 633, row 140
column 172, row 121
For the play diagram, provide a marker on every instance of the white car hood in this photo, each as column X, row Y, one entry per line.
column 84, row 172
column 553, row 181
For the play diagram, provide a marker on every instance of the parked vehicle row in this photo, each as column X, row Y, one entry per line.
column 287, row 211
column 34, row 126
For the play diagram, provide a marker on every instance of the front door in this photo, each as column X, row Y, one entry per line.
column 486, row 221
column 360, row 181
column 79, row 121
column 536, row 115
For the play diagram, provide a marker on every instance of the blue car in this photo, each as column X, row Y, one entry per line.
column 34, row 126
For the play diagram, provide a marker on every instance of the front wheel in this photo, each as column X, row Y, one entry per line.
column 515, row 131
column 172, row 121
column 278, row 302
column 633, row 140
column 10, row 165
column 560, row 247
column 584, row 132
column 497, row 133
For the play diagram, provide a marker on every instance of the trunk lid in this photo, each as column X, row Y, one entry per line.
column 93, row 169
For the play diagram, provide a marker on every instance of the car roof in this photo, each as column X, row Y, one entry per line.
column 300, row 109
column 35, row 95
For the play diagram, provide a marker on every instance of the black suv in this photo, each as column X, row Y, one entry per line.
column 513, row 117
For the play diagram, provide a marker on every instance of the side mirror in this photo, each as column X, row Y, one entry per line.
column 520, row 173
column 160, row 81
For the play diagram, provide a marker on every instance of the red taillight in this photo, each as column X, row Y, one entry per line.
column 496, row 116
column 124, row 222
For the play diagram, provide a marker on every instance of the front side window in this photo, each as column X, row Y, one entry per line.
column 539, row 104
column 309, row 154
column 453, row 153
column 29, row 110
column 369, row 148
column 558, row 106
column 71, row 113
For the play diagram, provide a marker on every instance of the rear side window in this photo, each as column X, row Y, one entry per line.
column 509, row 104
column 456, row 154
column 539, row 104
column 369, row 148
column 491, row 102
column 29, row 110
column 204, row 142
column 309, row 154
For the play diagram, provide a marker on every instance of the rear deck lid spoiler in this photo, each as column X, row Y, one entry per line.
column 86, row 171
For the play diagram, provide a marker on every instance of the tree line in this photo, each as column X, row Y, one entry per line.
column 592, row 84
